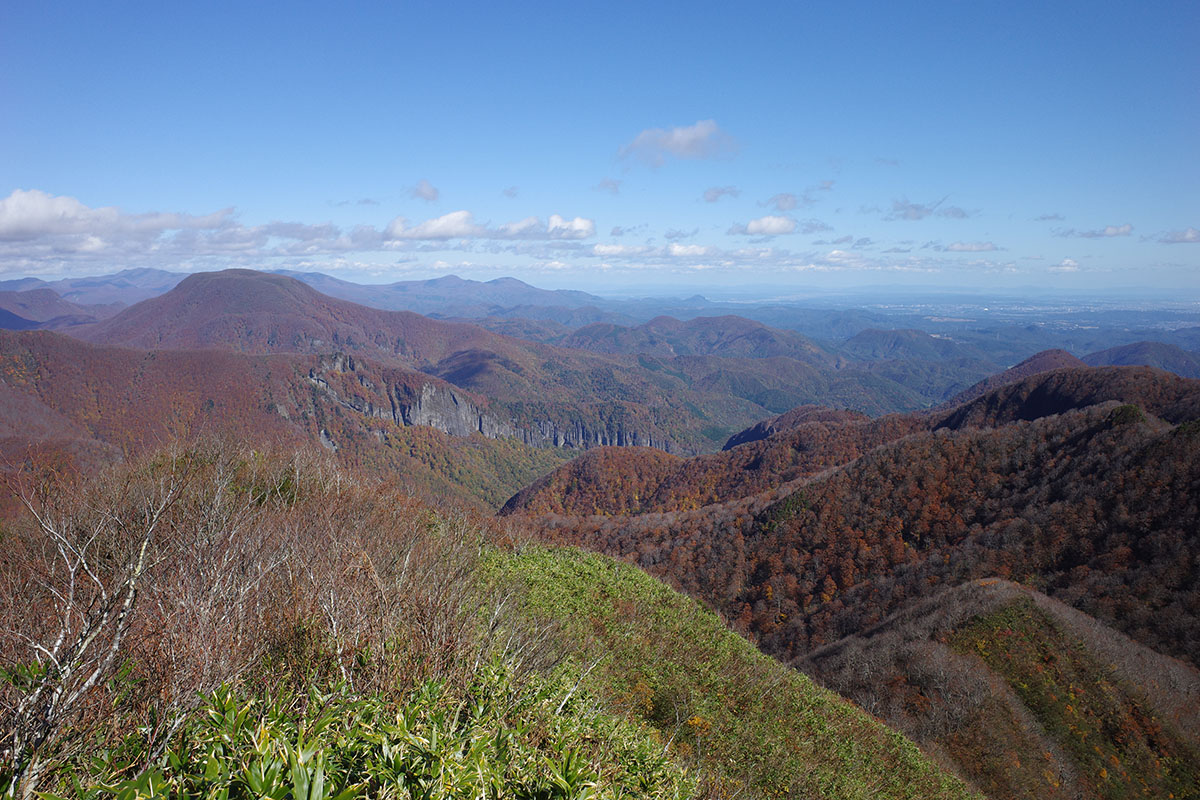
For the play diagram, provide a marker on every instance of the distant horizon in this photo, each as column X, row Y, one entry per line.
column 1133, row 298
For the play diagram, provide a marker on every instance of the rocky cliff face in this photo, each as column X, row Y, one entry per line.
column 413, row 398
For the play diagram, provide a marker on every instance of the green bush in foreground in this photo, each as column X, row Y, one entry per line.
column 502, row 738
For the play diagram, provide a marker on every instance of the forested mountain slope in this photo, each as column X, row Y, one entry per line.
column 1097, row 506
column 809, row 439
column 1151, row 354
column 1027, row 697
column 564, row 397
column 1044, row 361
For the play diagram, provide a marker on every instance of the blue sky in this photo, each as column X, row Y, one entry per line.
column 618, row 147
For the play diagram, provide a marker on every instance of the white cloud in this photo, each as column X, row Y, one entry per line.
column 971, row 247
column 766, row 226
column 455, row 225
column 1066, row 265
column 32, row 214
column 462, row 225
column 1185, row 236
column 609, row 250
column 714, row 193
column 688, row 250
column 577, row 228
column 700, row 140
column 426, row 191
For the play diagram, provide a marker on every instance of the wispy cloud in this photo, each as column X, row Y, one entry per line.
column 714, row 193
column 1049, row 218
column 904, row 209
column 424, row 190
column 674, row 234
column 850, row 241
column 787, row 201
column 1066, row 265
column 971, row 247
column 814, row 226
column 608, row 185
column 1107, row 232
column 1185, row 236
column 784, row 201
column 704, row 139
column 510, row 192
column 625, row 230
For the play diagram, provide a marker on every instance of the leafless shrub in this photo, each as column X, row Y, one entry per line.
column 128, row 596
column 79, row 567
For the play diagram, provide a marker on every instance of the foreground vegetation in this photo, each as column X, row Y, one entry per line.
column 222, row 623
column 724, row 707
column 234, row 626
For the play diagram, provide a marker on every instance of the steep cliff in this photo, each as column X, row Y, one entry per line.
column 407, row 397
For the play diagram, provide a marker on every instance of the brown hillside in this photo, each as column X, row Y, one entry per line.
column 618, row 480
column 112, row 402
column 257, row 312
column 792, row 419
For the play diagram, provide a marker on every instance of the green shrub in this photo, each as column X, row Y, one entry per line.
column 501, row 738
